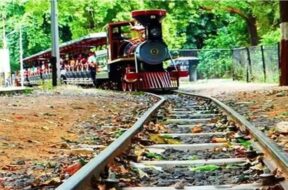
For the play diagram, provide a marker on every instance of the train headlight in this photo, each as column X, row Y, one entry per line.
column 155, row 32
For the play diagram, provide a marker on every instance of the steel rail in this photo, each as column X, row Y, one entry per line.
column 268, row 144
column 83, row 177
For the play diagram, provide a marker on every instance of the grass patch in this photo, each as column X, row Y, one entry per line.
column 205, row 168
column 137, row 93
column 46, row 85
column 28, row 91
column 119, row 132
column 167, row 136
column 194, row 157
column 246, row 143
column 231, row 166
column 284, row 114
column 153, row 155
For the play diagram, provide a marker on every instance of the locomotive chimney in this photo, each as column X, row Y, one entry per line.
column 151, row 20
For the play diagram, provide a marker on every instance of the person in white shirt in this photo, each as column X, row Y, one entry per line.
column 92, row 64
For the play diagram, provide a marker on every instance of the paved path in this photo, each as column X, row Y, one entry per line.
column 11, row 88
column 216, row 87
column 5, row 90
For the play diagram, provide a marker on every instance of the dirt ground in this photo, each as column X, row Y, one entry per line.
column 33, row 126
column 30, row 126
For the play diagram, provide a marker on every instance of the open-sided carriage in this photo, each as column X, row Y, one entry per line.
column 38, row 66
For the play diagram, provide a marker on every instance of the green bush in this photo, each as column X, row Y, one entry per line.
column 215, row 64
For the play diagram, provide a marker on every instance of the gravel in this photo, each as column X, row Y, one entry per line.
column 173, row 154
column 224, row 175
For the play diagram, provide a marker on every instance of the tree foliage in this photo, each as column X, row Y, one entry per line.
column 189, row 23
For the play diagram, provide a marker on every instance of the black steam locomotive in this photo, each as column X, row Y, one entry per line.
column 136, row 59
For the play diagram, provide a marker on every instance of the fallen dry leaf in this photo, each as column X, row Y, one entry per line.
column 142, row 174
column 172, row 141
column 197, row 129
column 19, row 117
column 101, row 187
column 73, row 168
column 218, row 140
column 282, row 127
column 119, row 169
column 157, row 139
column 53, row 181
column 180, row 184
column 79, row 152
column 139, row 152
column 258, row 167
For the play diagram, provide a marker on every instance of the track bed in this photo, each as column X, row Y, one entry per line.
column 192, row 143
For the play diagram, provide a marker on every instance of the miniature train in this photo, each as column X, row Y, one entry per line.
column 132, row 57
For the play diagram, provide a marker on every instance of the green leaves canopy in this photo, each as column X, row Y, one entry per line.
column 189, row 23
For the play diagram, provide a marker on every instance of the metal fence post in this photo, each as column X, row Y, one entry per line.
column 284, row 43
column 279, row 52
column 249, row 67
column 233, row 64
column 263, row 61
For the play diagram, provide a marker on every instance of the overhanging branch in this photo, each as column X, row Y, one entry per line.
column 230, row 10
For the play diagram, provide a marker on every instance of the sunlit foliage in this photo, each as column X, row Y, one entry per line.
column 189, row 23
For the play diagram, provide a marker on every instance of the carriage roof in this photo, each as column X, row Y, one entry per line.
column 86, row 42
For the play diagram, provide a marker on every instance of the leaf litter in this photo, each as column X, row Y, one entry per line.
column 72, row 119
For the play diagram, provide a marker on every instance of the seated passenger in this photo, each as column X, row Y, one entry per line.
column 67, row 67
column 80, row 59
column 63, row 70
column 85, row 67
column 49, row 68
column 38, row 70
column 72, row 63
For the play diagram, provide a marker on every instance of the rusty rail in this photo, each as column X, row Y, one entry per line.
column 82, row 178
column 278, row 154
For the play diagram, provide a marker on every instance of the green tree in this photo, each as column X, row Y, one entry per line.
column 188, row 24
column 259, row 16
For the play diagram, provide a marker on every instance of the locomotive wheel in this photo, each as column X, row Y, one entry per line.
column 63, row 80
column 105, row 85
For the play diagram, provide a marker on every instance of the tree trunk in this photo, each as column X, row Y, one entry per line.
column 284, row 43
column 252, row 29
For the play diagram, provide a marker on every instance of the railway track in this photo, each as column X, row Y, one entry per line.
column 187, row 142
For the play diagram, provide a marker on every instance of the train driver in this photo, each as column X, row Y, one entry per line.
column 138, row 33
column 92, row 65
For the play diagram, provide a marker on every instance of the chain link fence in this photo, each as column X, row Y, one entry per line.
column 251, row 64
column 212, row 63
column 257, row 63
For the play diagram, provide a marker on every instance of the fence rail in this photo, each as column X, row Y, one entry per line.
column 255, row 63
